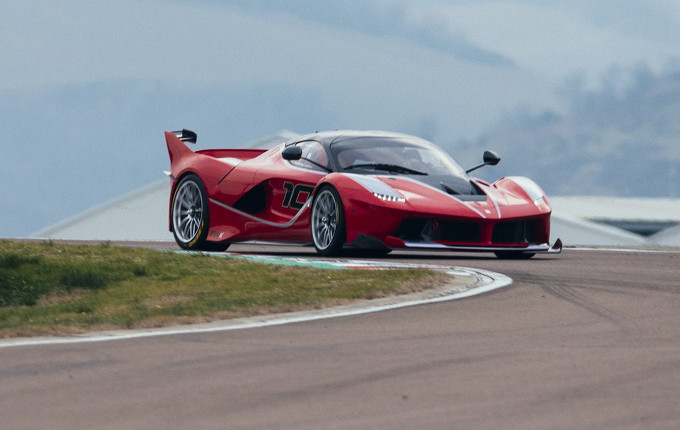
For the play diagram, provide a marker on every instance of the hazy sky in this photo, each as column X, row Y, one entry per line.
column 87, row 87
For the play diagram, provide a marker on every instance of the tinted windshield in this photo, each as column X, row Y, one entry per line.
column 413, row 154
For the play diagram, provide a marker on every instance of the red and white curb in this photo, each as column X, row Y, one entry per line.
column 467, row 282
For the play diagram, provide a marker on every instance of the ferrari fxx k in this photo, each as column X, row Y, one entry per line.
column 338, row 190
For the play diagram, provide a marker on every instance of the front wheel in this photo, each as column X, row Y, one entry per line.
column 328, row 222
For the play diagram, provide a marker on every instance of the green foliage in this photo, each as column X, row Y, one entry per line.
column 52, row 288
column 16, row 273
column 31, row 271
column 14, row 261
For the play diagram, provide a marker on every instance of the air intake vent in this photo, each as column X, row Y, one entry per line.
column 513, row 232
column 428, row 230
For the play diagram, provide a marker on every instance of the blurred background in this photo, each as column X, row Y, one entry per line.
column 581, row 96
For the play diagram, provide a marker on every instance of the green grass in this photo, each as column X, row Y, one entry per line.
column 51, row 288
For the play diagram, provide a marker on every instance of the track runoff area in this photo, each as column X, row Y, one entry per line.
column 465, row 282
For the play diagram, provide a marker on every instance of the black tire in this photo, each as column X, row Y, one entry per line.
column 190, row 216
column 514, row 255
column 328, row 222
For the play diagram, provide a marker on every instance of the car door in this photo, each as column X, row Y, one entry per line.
column 291, row 183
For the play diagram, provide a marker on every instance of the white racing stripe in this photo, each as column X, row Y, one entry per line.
column 478, row 282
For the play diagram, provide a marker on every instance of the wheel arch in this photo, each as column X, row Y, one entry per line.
column 173, row 189
column 333, row 249
column 334, row 181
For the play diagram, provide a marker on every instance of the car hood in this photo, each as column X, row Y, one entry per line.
column 454, row 185
column 441, row 195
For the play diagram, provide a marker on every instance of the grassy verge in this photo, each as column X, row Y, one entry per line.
column 50, row 288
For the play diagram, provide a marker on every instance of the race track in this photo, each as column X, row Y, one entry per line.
column 585, row 339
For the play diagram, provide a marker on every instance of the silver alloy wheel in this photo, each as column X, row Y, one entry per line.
column 324, row 219
column 187, row 211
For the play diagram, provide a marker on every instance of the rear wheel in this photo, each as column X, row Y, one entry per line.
column 190, row 217
column 328, row 222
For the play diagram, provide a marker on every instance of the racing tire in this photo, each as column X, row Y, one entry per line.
column 190, row 216
column 514, row 255
column 328, row 222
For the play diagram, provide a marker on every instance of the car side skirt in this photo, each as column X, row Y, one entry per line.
column 287, row 224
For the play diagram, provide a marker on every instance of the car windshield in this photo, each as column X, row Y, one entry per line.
column 393, row 155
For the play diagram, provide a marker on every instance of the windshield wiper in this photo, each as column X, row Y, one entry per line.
column 316, row 164
column 386, row 167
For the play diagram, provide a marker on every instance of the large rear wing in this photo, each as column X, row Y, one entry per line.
column 185, row 135
column 182, row 157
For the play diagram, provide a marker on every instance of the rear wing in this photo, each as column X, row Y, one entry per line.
column 185, row 135
column 182, row 157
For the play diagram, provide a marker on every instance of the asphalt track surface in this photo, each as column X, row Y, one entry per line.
column 584, row 339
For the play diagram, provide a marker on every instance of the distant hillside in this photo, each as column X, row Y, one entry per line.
column 620, row 140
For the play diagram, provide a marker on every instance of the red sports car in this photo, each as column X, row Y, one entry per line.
column 359, row 190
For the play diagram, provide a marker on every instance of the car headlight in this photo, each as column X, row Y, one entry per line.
column 389, row 197
column 535, row 193
column 379, row 189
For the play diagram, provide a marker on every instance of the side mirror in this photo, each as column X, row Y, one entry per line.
column 490, row 158
column 291, row 153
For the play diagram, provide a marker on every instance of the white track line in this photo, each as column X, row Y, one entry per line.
column 480, row 281
column 643, row 250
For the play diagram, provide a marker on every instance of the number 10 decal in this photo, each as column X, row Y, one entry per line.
column 293, row 193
